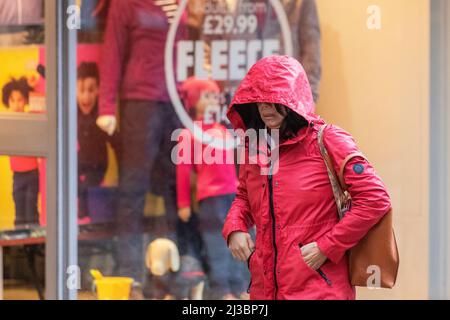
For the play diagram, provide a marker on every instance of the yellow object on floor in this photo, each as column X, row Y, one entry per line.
column 112, row 288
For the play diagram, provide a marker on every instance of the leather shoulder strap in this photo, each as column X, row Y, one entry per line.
column 338, row 192
column 326, row 157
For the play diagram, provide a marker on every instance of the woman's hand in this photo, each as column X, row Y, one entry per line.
column 312, row 255
column 184, row 214
column 241, row 245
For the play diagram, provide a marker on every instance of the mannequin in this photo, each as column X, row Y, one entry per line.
column 215, row 187
column 107, row 123
column 133, row 87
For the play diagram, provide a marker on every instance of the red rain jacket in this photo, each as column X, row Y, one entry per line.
column 295, row 206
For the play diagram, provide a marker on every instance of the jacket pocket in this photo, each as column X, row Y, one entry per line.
column 318, row 271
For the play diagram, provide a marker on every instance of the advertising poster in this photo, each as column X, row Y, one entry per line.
column 224, row 39
column 19, row 68
column 28, row 62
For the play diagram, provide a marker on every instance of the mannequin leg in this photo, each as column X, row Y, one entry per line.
column 163, row 177
column 141, row 128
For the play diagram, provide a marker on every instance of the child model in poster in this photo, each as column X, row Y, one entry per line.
column 92, row 141
column 25, row 169
column 216, row 188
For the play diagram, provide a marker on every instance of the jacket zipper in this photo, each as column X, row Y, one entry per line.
column 319, row 271
column 248, row 266
column 324, row 277
column 272, row 213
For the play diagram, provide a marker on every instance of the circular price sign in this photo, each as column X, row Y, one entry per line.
column 233, row 36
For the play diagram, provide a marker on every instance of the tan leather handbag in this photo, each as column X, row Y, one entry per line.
column 377, row 252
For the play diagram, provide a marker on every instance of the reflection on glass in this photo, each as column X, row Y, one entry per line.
column 130, row 101
column 22, row 183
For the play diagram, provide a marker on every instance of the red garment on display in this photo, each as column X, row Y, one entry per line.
column 23, row 164
column 132, row 62
column 212, row 179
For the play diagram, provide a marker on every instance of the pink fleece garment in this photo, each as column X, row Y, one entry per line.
column 212, row 179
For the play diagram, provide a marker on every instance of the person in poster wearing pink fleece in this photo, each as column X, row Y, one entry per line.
column 216, row 188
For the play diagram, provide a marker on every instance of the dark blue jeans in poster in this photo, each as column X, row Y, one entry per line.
column 25, row 194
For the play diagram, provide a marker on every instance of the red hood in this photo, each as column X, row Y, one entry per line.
column 274, row 79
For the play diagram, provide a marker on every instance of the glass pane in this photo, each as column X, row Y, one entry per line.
column 22, row 226
column 121, row 88
column 97, row 158
column 153, row 74
column 22, row 182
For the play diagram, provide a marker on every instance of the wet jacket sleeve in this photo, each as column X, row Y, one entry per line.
column 113, row 55
column 309, row 42
column 370, row 200
column 239, row 217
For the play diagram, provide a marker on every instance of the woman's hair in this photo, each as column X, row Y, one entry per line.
column 289, row 128
column 20, row 85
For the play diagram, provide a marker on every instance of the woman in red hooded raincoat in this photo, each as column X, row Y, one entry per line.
column 300, row 246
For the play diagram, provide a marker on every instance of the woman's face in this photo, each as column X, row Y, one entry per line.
column 270, row 116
